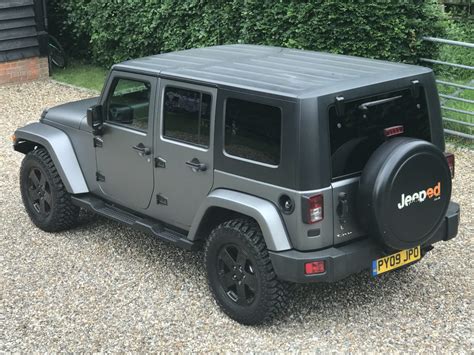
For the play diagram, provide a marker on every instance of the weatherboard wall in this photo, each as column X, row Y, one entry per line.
column 23, row 40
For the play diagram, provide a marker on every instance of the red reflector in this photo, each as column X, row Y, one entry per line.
column 314, row 267
column 451, row 162
column 393, row 131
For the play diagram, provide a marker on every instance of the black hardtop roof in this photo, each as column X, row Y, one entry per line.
column 275, row 70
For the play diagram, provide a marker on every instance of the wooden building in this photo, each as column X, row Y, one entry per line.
column 23, row 41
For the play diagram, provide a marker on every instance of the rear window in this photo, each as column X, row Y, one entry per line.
column 359, row 130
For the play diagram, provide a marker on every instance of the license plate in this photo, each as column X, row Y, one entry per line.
column 395, row 261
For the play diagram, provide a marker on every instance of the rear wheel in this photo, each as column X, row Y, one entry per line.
column 45, row 198
column 240, row 273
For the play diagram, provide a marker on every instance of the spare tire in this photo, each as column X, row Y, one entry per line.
column 404, row 192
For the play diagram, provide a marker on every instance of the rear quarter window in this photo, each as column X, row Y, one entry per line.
column 253, row 131
column 359, row 131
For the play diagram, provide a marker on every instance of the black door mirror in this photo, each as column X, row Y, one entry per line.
column 94, row 119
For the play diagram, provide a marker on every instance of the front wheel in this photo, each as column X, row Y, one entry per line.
column 45, row 198
column 241, row 275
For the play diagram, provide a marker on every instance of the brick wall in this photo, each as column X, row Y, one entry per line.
column 24, row 70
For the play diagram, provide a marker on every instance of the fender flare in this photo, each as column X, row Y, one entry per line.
column 59, row 147
column 263, row 211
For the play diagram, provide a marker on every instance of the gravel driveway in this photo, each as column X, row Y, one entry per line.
column 104, row 287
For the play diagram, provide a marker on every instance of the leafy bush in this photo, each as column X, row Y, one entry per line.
column 115, row 30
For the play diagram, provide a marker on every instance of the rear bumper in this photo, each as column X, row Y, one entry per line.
column 342, row 261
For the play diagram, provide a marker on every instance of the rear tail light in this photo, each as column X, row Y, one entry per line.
column 451, row 162
column 313, row 209
column 315, row 267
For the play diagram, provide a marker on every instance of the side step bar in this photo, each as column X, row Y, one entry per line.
column 144, row 224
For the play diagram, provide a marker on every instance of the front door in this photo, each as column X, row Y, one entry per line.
column 184, row 150
column 124, row 151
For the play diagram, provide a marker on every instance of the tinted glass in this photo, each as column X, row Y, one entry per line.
column 253, row 131
column 357, row 133
column 129, row 103
column 187, row 116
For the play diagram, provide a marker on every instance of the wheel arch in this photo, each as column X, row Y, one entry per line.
column 59, row 147
column 221, row 205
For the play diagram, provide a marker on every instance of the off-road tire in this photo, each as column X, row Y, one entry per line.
column 271, row 294
column 62, row 213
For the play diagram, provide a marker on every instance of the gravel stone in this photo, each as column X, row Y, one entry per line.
column 105, row 287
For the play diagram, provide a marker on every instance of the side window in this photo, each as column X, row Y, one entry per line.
column 187, row 116
column 253, row 131
column 129, row 103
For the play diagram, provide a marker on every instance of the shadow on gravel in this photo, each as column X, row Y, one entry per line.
column 358, row 293
column 139, row 246
column 312, row 301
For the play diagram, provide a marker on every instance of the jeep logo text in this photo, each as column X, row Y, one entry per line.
column 432, row 192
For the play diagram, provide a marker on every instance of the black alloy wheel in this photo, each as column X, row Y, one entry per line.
column 237, row 274
column 39, row 192
column 240, row 273
column 44, row 195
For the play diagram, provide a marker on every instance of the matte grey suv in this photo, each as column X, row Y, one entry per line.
column 284, row 165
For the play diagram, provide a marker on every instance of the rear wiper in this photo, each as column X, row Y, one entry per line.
column 365, row 106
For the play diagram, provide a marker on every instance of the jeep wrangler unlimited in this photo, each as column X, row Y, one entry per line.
column 286, row 166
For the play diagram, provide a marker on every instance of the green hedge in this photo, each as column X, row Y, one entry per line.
column 109, row 31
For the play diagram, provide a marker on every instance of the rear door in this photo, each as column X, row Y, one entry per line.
column 356, row 132
column 184, row 150
column 124, row 151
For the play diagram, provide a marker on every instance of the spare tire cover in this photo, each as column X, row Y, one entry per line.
column 404, row 192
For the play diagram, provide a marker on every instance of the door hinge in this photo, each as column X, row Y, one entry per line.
column 415, row 88
column 160, row 162
column 98, row 142
column 340, row 106
column 161, row 200
column 99, row 176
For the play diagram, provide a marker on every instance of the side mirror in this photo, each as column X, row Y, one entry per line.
column 94, row 119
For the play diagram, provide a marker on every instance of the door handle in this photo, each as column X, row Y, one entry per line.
column 140, row 148
column 196, row 165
